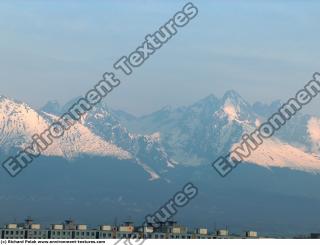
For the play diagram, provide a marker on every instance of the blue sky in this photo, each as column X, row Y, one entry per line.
column 57, row 50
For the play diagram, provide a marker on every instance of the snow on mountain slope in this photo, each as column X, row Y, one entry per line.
column 146, row 148
column 19, row 122
column 230, row 111
column 314, row 133
column 80, row 140
column 274, row 153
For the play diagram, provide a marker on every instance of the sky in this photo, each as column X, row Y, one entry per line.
column 58, row 50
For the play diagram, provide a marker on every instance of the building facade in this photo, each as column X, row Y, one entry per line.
column 70, row 230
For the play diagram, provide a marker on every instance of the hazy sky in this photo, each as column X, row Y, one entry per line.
column 57, row 50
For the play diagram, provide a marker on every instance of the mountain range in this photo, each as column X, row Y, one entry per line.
column 191, row 135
